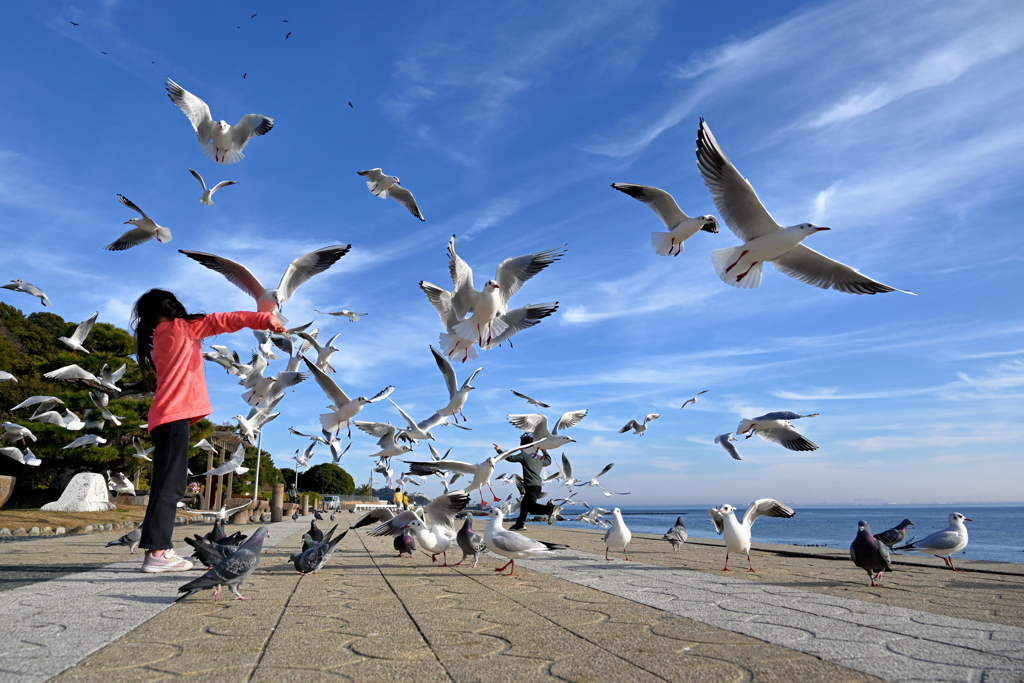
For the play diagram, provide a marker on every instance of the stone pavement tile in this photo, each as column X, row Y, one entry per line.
column 926, row 586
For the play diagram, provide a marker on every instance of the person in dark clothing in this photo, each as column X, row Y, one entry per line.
column 532, row 482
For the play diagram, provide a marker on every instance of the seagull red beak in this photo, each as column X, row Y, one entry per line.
column 127, row 222
column 820, row 229
column 968, row 519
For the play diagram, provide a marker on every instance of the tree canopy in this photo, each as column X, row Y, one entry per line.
column 327, row 478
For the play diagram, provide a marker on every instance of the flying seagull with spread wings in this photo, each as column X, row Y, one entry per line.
column 221, row 141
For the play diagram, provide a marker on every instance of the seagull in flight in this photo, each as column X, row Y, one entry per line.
column 207, row 197
column 77, row 338
column 764, row 239
column 681, row 226
column 457, row 395
column 145, row 229
column 637, row 427
column 692, row 400
column 531, row 401
column 545, row 439
column 221, row 141
column 725, row 441
column 384, row 186
column 28, row 288
column 343, row 408
column 299, row 271
column 777, row 428
column 351, row 315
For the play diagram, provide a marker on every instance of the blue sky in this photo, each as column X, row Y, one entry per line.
column 899, row 126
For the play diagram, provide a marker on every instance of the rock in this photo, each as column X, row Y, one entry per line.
column 86, row 492
column 108, row 527
column 34, row 531
column 5, row 532
column 47, row 531
column 6, row 488
column 60, row 531
column 20, row 531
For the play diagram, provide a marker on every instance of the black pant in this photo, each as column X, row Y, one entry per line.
column 530, row 506
column 167, row 485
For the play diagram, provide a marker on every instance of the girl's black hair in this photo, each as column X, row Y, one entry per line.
column 149, row 307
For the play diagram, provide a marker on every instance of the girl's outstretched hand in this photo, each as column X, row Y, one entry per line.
column 274, row 325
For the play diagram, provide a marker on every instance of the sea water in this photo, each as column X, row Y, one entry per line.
column 996, row 534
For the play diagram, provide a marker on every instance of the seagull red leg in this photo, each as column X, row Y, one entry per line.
column 748, row 563
column 727, row 563
column 745, row 251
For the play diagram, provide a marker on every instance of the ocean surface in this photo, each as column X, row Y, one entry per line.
column 996, row 534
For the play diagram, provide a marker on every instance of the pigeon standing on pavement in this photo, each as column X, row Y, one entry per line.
column 677, row 535
column 130, row 539
column 869, row 554
column 405, row 542
column 295, row 516
column 891, row 537
column 315, row 532
column 209, row 552
column 470, row 542
column 313, row 559
column 232, row 571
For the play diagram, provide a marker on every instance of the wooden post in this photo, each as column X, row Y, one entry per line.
column 218, row 500
column 277, row 503
column 305, row 504
column 208, row 495
column 229, row 489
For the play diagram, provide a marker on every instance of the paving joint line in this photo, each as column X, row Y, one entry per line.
column 404, row 607
column 273, row 631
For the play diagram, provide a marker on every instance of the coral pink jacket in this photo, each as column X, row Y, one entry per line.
column 178, row 359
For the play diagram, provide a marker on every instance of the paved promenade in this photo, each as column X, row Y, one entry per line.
column 575, row 617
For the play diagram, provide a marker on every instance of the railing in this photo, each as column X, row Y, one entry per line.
column 355, row 499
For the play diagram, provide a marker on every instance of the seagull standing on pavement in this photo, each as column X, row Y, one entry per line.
column 207, row 197
column 637, row 427
column 221, row 142
column 512, row 545
column 681, row 226
column 618, row 536
column 945, row 543
column 77, row 338
column 270, row 300
column 737, row 533
column 145, row 229
column 764, row 239
column 384, row 186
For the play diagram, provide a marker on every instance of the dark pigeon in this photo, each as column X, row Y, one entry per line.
column 870, row 555
column 677, row 535
column 334, row 516
column 312, row 560
column 307, row 543
column 208, row 552
column 232, row 571
column 891, row 537
column 218, row 535
column 405, row 542
column 317, row 515
column 295, row 517
column 314, row 532
column 470, row 542
column 130, row 539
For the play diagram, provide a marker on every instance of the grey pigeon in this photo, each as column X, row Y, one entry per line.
column 208, row 552
column 870, row 555
column 334, row 516
column 317, row 515
column 470, row 542
column 891, row 537
column 295, row 517
column 314, row 531
column 130, row 539
column 313, row 560
column 307, row 543
column 405, row 542
column 218, row 535
column 677, row 535
column 232, row 571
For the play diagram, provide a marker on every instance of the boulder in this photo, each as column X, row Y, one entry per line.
column 86, row 492
column 6, row 488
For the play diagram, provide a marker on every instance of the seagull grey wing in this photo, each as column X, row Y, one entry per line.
column 236, row 273
column 248, row 127
column 783, row 415
column 430, row 423
column 405, row 415
column 531, row 422
column 606, row 470
column 116, row 375
column 70, row 372
column 632, row 424
column 570, row 419
column 940, row 540
column 223, row 183
column 659, row 201
column 512, row 273
column 733, row 195
column 511, row 542
column 532, row 400
column 131, row 205
column 470, row 378
column 523, row 318
column 378, row 429
column 816, row 269
column 199, row 178
column 447, row 371
column 373, row 175
column 566, row 467
column 730, row 448
column 131, row 238
column 463, row 292
column 766, row 507
column 441, row 300
column 789, row 439
column 383, row 394
column 444, row 466
column 329, row 386
column 83, row 330
column 405, row 198
column 373, row 517
column 37, row 399
column 195, row 109
column 442, row 510
column 718, row 520
column 308, row 265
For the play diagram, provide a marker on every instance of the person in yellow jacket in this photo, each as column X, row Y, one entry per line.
column 399, row 498
column 406, row 500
